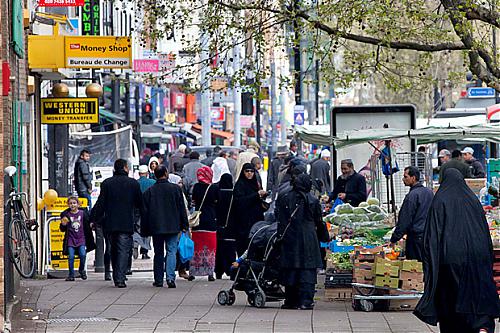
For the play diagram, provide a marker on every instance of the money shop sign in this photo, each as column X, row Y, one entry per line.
column 97, row 52
column 70, row 111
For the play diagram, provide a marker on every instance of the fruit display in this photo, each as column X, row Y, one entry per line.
column 368, row 214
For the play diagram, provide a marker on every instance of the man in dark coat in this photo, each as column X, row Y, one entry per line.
column 320, row 172
column 299, row 219
column 164, row 217
column 455, row 162
column 413, row 214
column 460, row 292
column 176, row 160
column 83, row 176
column 114, row 209
column 274, row 169
column 350, row 186
column 476, row 168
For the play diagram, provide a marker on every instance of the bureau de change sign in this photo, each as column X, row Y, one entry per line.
column 70, row 111
column 97, row 52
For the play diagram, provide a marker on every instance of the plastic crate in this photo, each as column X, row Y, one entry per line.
column 338, row 280
column 334, row 247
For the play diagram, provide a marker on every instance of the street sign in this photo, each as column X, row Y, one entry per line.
column 70, row 111
column 298, row 114
column 60, row 3
column 170, row 118
column 146, row 65
column 480, row 92
column 97, row 52
column 218, row 113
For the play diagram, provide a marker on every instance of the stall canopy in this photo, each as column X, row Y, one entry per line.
column 320, row 134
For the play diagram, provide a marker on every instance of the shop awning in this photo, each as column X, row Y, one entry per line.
column 222, row 134
column 320, row 134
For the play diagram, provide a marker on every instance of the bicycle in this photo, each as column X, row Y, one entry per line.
column 20, row 245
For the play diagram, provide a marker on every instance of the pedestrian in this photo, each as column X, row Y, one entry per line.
column 189, row 171
column 176, row 159
column 299, row 223
column 246, row 157
column 455, row 162
column 247, row 201
column 83, row 176
column 274, row 168
column 476, row 168
column 257, row 164
column 205, row 197
column 115, row 209
column 350, row 186
column 231, row 162
column 226, row 241
column 143, row 242
column 164, row 217
column 293, row 148
column 460, row 293
column 219, row 168
column 208, row 157
column 413, row 214
column 212, row 156
column 152, row 165
column 320, row 172
column 78, row 236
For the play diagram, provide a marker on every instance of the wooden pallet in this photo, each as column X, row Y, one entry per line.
column 338, row 294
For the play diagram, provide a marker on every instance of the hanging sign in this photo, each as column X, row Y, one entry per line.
column 97, row 52
column 70, row 111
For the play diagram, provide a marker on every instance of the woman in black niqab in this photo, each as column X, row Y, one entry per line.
column 226, row 242
column 247, row 205
column 460, row 293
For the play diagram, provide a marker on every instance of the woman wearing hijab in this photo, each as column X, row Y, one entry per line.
column 299, row 223
column 247, row 201
column 460, row 293
column 219, row 167
column 226, row 242
column 205, row 197
column 152, row 165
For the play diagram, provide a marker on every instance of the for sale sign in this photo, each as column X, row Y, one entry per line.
column 98, row 52
column 60, row 3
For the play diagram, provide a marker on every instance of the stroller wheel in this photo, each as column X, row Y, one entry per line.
column 232, row 298
column 259, row 299
column 366, row 305
column 223, row 297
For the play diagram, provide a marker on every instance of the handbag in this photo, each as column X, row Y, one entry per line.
column 186, row 248
column 194, row 217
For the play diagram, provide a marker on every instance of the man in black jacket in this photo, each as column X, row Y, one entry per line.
column 320, row 172
column 164, row 217
column 274, row 169
column 413, row 214
column 350, row 186
column 83, row 176
column 114, row 209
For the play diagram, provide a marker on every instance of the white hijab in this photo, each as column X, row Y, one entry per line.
column 219, row 167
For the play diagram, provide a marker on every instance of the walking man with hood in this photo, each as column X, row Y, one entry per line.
column 120, row 196
column 164, row 217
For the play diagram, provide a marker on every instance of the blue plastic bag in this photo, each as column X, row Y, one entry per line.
column 336, row 203
column 186, row 248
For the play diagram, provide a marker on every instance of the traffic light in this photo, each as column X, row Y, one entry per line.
column 147, row 113
column 107, row 92
column 247, row 104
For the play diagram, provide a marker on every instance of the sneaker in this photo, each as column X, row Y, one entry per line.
column 129, row 272
column 183, row 274
column 120, row 285
column 83, row 275
column 171, row 284
column 70, row 278
column 306, row 307
column 157, row 284
column 191, row 278
column 107, row 276
column 286, row 306
column 211, row 278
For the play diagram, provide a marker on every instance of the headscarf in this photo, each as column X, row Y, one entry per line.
column 174, row 179
column 249, row 182
column 153, row 159
column 219, row 168
column 205, row 175
column 302, row 183
column 226, row 182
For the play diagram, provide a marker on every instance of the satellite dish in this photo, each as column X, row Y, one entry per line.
column 10, row 170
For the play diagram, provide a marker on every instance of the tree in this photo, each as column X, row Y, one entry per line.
column 401, row 41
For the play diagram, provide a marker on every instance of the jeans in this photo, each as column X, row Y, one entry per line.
column 162, row 262
column 82, row 253
column 107, row 253
column 89, row 200
column 120, row 249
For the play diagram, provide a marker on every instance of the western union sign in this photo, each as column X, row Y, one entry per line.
column 97, row 52
column 70, row 111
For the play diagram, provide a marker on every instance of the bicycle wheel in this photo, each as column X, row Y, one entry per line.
column 21, row 248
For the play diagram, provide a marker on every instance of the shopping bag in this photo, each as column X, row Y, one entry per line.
column 336, row 203
column 186, row 248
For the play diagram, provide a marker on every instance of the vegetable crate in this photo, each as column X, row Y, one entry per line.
column 338, row 294
column 338, row 280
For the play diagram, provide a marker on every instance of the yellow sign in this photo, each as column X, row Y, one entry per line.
column 70, row 111
column 97, row 52
column 58, row 260
column 170, row 118
column 61, row 204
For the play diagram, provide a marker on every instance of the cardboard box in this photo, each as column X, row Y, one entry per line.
column 412, row 285
column 402, row 304
column 387, row 267
column 384, row 281
column 338, row 294
column 363, row 275
column 412, row 266
column 411, row 276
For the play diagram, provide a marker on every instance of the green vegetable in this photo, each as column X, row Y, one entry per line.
column 379, row 217
column 344, row 209
column 374, row 209
column 373, row 201
column 360, row 211
column 364, row 204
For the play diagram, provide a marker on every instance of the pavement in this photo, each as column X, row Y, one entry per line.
column 96, row 306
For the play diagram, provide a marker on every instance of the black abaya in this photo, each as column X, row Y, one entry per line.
column 458, row 261
column 226, row 242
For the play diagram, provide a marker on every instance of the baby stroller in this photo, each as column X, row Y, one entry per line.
column 257, row 275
